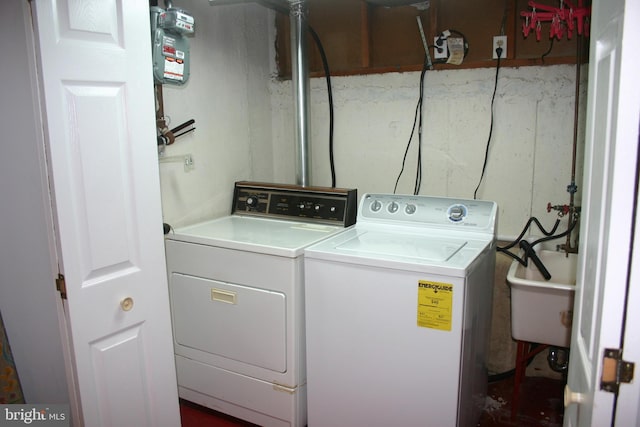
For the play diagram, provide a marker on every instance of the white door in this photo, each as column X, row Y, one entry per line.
column 613, row 113
column 95, row 65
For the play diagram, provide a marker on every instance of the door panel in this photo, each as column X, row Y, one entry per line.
column 109, row 354
column 96, row 79
column 107, row 245
column 609, row 195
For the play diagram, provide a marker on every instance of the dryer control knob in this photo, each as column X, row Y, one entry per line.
column 393, row 207
column 252, row 201
column 376, row 206
column 410, row 209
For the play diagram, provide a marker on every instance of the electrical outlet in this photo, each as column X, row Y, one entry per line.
column 440, row 48
column 499, row 41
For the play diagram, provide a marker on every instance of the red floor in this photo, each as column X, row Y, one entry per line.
column 540, row 406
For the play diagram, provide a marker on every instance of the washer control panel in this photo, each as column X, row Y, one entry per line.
column 428, row 210
column 310, row 204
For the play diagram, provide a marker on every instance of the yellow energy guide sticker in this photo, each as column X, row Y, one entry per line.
column 435, row 305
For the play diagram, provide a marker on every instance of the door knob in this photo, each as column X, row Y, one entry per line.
column 126, row 304
column 572, row 396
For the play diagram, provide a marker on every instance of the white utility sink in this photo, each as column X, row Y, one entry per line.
column 541, row 310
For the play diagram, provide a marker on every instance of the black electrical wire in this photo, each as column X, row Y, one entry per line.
column 486, row 153
column 406, row 151
column 417, row 120
column 499, row 52
column 327, row 73
column 418, row 181
column 548, row 50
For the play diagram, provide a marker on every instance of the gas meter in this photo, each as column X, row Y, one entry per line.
column 170, row 44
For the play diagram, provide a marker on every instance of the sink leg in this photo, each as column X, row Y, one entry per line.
column 520, row 368
column 524, row 353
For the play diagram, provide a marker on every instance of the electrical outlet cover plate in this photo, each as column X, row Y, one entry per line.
column 499, row 41
column 443, row 47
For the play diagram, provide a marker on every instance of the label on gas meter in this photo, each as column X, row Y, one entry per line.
column 435, row 305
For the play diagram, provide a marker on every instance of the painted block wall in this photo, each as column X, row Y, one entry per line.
column 227, row 95
column 529, row 161
column 245, row 130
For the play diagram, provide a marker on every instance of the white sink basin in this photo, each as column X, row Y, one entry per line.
column 541, row 310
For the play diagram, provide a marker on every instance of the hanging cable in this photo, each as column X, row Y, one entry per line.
column 418, row 181
column 544, row 55
column 499, row 52
column 327, row 73
column 417, row 120
column 486, row 152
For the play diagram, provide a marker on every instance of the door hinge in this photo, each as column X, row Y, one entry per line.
column 61, row 286
column 615, row 371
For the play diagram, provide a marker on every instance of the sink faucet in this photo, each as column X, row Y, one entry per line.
column 573, row 213
column 530, row 253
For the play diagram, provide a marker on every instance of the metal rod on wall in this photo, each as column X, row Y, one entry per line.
column 300, row 82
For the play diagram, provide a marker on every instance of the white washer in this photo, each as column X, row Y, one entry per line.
column 398, row 313
column 237, row 300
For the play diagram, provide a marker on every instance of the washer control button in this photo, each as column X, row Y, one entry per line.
column 457, row 213
column 393, row 207
column 376, row 206
column 410, row 209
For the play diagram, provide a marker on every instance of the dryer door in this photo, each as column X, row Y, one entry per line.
column 237, row 322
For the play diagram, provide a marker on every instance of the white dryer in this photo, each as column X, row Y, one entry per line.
column 237, row 299
column 398, row 313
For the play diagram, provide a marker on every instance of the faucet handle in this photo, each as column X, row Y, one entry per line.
column 562, row 209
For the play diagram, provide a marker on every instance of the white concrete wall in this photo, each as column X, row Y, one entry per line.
column 227, row 95
column 531, row 148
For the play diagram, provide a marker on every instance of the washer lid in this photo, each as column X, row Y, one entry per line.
column 275, row 237
column 403, row 248
column 420, row 248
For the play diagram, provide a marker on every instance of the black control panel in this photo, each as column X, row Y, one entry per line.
column 324, row 205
